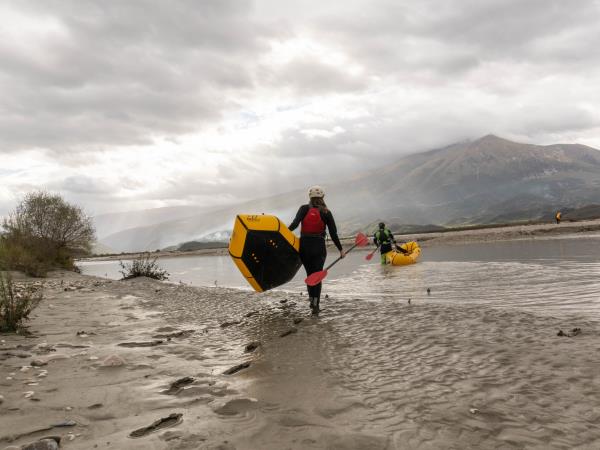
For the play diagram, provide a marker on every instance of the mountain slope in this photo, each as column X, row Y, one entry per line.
column 107, row 224
column 482, row 181
column 201, row 226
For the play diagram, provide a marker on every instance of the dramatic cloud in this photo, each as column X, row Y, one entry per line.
column 131, row 105
column 102, row 73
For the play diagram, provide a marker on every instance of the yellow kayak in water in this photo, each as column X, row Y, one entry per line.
column 396, row 258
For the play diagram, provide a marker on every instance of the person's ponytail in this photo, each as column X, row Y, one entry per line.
column 318, row 202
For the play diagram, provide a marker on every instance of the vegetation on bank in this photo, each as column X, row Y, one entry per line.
column 16, row 302
column 199, row 245
column 143, row 266
column 45, row 232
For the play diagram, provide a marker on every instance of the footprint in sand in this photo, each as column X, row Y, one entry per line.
column 236, row 369
column 178, row 385
column 140, row 344
column 176, row 334
column 288, row 332
column 237, row 406
column 164, row 422
column 252, row 346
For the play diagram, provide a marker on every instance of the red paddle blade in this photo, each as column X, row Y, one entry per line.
column 369, row 257
column 361, row 240
column 315, row 278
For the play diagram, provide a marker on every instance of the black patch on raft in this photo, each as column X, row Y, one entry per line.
column 271, row 259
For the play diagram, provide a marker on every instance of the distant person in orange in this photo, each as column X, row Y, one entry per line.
column 558, row 216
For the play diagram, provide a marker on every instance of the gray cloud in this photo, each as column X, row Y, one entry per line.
column 98, row 76
column 83, row 185
column 458, row 35
column 122, row 73
column 311, row 77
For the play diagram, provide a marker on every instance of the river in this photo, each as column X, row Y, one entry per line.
column 542, row 274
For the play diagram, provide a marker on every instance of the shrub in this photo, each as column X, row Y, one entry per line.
column 44, row 231
column 29, row 258
column 16, row 303
column 143, row 266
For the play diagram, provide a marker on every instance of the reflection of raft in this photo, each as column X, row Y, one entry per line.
column 396, row 258
column 264, row 250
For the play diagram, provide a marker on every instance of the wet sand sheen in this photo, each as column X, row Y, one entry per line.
column 368, row 373
column 415, row 376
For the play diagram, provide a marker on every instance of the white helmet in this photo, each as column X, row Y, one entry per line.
column 316, row 191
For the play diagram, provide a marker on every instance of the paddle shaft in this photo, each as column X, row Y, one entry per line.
column 339, row 258
column 316, row 277
column 370, row 255
column 401, row 250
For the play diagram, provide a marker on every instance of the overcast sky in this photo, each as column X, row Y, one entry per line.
column 123, row 105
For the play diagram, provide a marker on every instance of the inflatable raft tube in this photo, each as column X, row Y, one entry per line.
column 396, row 258
column 264, row 250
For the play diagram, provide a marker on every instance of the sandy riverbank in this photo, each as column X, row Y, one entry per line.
column 365, row 374
column 505, row 233
column 508, row 232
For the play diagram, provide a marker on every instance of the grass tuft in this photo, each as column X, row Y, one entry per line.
column 143, row 266
column 16, row 302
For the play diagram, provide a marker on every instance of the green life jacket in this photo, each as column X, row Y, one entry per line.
column 386, row 238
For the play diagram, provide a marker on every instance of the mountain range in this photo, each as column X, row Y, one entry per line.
column 483, row 181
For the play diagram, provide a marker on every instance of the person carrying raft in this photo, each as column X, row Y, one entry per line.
column 384, row 238
column 314, row 218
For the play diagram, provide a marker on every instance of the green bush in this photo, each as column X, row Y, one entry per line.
column 143, row 266
column 16, row 302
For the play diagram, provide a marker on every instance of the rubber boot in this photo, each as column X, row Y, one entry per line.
column 313, row 301
column 316, row 308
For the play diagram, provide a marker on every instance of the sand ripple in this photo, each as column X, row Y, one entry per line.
column 437, row 373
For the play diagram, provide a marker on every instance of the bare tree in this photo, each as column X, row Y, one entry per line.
column 46, row 229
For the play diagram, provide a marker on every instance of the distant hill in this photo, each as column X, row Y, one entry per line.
column 488, row 180
column 107, row 224
column 101, row 249
column 483, row 181
column 200, row 227
column 194, row 245
column 588, row 212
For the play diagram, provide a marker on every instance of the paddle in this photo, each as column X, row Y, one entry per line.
column 400, row 249
column 369, row 257
column 316, row 277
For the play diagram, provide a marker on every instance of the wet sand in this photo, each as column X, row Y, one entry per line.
column 504, row 233
column 365, row 374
